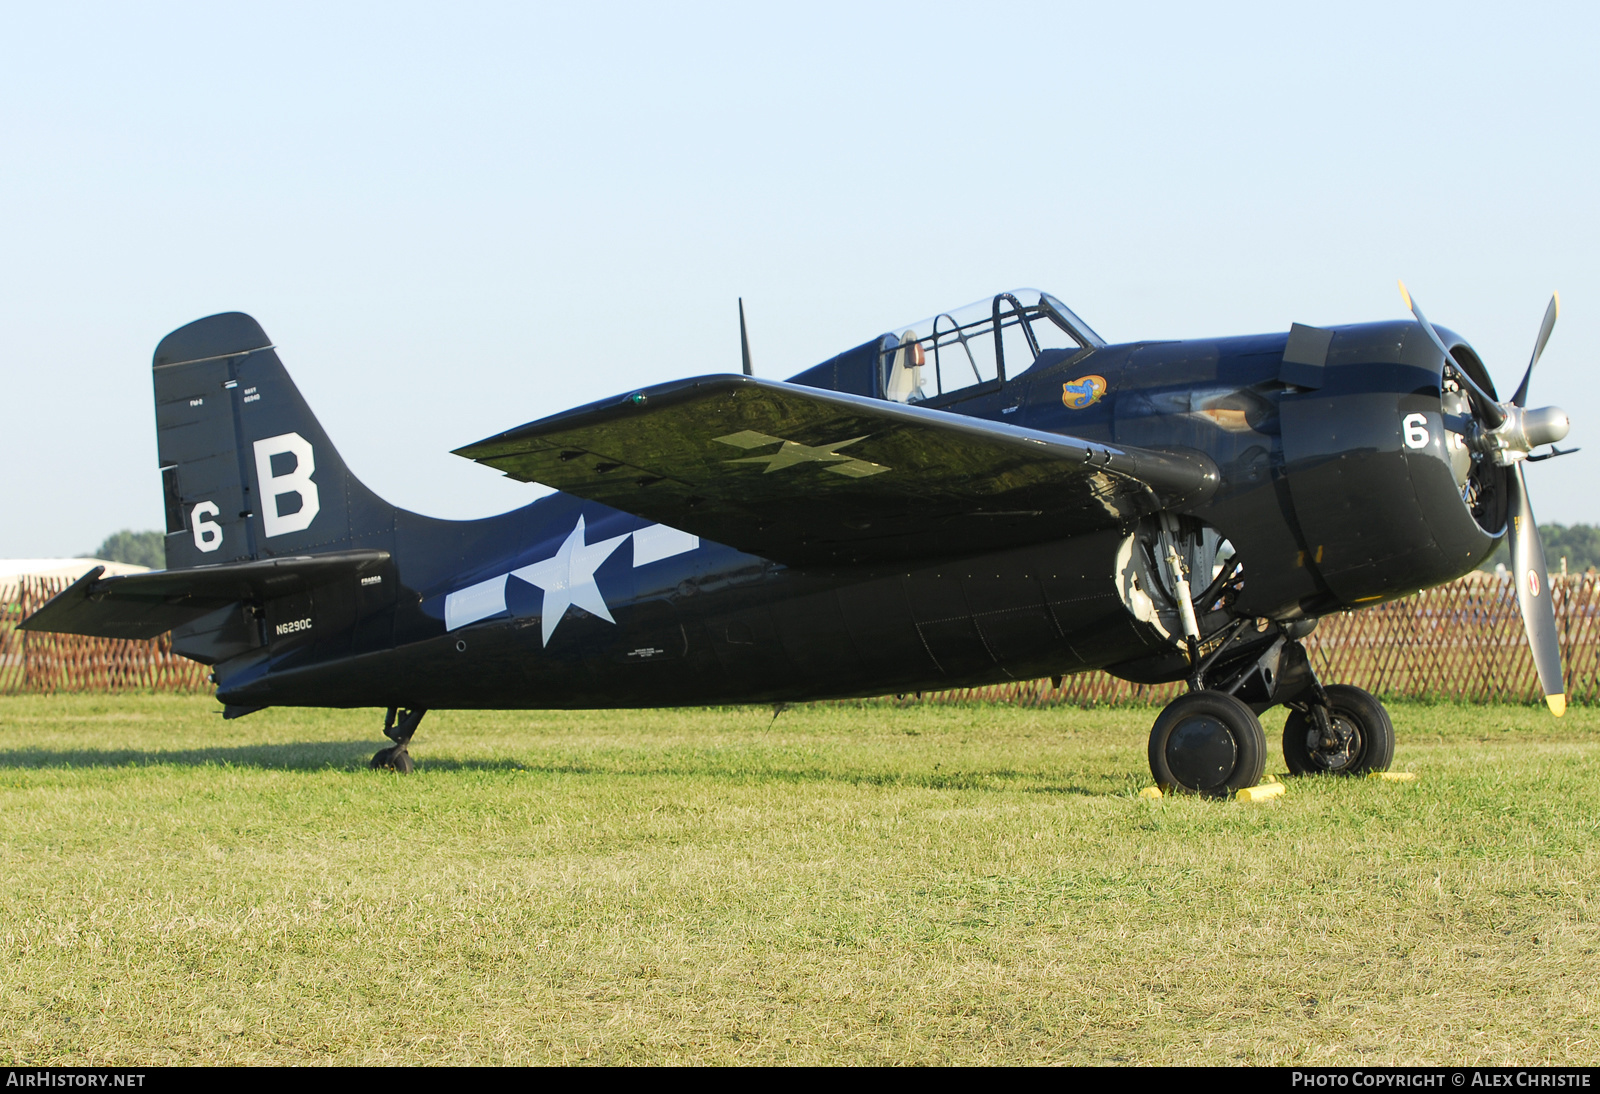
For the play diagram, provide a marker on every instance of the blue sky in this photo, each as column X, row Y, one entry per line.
column 454, row 219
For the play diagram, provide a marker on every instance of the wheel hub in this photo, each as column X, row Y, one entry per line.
column 1339, row 749
column 1201, row 752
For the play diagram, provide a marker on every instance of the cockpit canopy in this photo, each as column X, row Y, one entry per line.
column 963, row 352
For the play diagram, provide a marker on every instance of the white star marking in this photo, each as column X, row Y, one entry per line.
column 567, row 578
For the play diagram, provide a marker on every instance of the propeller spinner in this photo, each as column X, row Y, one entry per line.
column 1507, row 434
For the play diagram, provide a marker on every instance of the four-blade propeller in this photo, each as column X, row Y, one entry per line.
column 1507, row 434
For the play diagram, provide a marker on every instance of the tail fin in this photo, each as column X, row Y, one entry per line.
column 246, row 470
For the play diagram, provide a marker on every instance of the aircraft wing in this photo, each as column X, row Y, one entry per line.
column 810, row 477
column 146, row 605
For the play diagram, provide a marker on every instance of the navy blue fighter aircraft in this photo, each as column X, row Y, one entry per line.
column 991, row 494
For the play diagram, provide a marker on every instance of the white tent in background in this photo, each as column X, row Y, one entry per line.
column 13, row 570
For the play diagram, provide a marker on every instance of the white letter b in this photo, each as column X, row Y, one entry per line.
column 296, row 481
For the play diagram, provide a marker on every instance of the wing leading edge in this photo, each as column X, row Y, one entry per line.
column 818, row 478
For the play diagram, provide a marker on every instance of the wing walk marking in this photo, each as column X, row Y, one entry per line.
column 794, row 453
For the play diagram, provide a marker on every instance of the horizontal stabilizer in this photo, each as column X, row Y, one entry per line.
column 810, row 477
column 146, row 605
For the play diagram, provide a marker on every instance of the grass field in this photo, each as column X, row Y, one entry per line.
column 865, row 885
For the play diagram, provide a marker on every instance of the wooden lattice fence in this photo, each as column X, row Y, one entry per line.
column 35, row 662
column 1459, row 641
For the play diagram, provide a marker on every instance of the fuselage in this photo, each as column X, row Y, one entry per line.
column 1337, row 489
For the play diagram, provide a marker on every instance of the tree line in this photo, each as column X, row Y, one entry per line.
column 1579, row 544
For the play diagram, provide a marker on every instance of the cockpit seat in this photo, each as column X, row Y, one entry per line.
column 905, row 373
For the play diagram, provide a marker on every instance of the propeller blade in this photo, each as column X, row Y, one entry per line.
column 1545, row 328
column 744, row 340
column 1493, row 416
column 1533, row 594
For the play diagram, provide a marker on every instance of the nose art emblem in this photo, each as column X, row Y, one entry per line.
column 1083, row 392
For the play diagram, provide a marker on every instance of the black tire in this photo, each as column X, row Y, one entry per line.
column 1207, row 743
column 395, row 759
column 1363, row 726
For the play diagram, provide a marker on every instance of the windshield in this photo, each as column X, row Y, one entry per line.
column 977, row 346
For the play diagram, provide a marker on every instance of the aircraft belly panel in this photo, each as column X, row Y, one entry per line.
column 1011, row 617
column 748, row 646
column 956, row 646
column 815, row 638
column 878, row 616
column 1014, row 635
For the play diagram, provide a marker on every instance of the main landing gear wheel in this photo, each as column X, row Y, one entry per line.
column 1359, row 740
column 1207, row 743
column 399, row 726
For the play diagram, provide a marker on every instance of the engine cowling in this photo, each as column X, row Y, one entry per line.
column 1388, row 495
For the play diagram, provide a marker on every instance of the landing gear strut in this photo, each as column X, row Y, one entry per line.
column 398, row 726
column 1210, row 741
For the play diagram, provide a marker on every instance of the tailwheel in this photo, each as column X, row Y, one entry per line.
column 399, row 726
column 396, row 759
column 1357, row 740
column 1207, row 743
